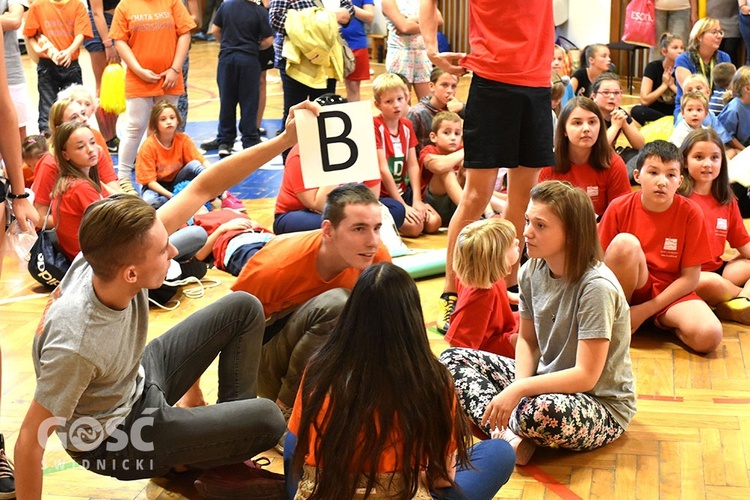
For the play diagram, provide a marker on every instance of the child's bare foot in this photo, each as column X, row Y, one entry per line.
column 192, row 398
column 524, row 448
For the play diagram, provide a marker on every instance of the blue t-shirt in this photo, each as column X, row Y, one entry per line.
column 243, row 25
column 736, row 120
column 354, row 32
column 683, row 61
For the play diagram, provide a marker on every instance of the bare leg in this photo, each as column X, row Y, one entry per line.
column 695, row 325
column 262, row 97
column 520, row 182
column 422, row 89
column 352, row 90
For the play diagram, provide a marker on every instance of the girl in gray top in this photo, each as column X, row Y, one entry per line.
column 571, row 384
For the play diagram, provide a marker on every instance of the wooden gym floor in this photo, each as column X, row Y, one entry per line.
column 689, row 439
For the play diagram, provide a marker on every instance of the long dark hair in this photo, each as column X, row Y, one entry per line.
column 601, row 151
column 381, row 380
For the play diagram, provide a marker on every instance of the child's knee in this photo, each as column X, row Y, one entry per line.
column 411, row 229
column 624, row 249
column 703, row 336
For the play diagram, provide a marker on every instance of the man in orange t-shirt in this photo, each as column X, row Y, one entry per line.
column 303, row 281
column 64, row 25
column 153, row 38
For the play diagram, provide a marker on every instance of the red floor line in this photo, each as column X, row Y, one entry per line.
column 732, row 401
column 552, row 484
column 652, row 397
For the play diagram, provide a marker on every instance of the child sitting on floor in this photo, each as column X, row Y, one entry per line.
column 484, row 255
column 33, row 148
column 698, row 83
column 693, row 109
column 442, row 98
column 736, row 115
column 655, row 242
column 397, row 157
column 722, row 93
column 442, row 165
column 168, row 157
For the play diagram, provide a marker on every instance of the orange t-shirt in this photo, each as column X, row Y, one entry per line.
column 282, row 274
column 28, row 176
column 151, row 29
column 390, row 458
column 157, row 163
column 60, row 22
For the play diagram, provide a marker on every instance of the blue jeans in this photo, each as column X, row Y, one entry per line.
column 51, row 79
column 493, row 461
column 238, row 427
column 187, row 173
column 238, row 78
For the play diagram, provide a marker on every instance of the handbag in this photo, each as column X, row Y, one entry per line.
column 350, row 63
column 640, row 23
column 47, row 264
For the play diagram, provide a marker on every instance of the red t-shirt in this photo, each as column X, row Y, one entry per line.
column 47, row 172
column 511, row 42
column 672, row 240
column 282, row 275
column 69, row 208
column 151, row 29
column 723, row 224
column 602, row 186
column 157, row 163
column 292, row 184
column 430, row 149
column 483, row 320
column 211, row 222
column 396, row 161
column 28, row 176
column 59, row 22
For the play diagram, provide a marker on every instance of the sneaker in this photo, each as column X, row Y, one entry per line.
column 736, row 309
column 262, row 131
column 200, row 37
column 113, row 145
column 127, row 187
column 287, row 413
column 7, row 483
column 210, row 38
column 245, row 480
column 445, row 310
column 231, row 202
column 225, row 150
column 210, row 145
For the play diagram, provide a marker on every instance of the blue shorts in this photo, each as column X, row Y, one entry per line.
column 95, row 44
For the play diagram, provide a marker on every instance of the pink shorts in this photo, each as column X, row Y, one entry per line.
column 361, row 66
column 649, row 291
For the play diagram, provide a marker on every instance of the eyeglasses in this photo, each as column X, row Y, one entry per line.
column 610, row 93
column 716, row 32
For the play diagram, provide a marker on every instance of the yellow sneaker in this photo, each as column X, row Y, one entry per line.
column 445, row 310
column 736, row 309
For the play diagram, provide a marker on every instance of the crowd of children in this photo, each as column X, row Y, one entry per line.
column 603, row 259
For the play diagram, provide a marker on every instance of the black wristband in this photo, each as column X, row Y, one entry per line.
column 12, row 196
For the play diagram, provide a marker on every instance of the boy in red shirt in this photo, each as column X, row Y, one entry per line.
column 399, row 169
column 64, row 24
column 655, row 243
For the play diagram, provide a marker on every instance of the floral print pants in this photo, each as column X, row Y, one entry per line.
column 572, row 421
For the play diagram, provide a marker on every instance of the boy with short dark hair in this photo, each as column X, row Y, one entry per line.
column 723, row 74
column 442, row 97
column 655, row 242
column 442, row 165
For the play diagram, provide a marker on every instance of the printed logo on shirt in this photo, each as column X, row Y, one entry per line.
column 670, row 248
column 592, row 191
column 721, row 224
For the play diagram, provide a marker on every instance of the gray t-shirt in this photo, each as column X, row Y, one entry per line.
column 87, row 357
column 564, row 313
column 727, row 13
column 13, row 66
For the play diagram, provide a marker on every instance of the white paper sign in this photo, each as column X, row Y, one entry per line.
column 338, row 146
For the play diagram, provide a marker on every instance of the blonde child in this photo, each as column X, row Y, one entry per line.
column 736, row 114
column 722, row 93
column 168, row 157
column 594, row 62
column 442, row 98
column 397, row 156
column 33, row 148
column 724, row 285
column 442, row 165
column 557, row 94
column 561, row 67
column 485, row 252
column 65, row 25
column 83, row 96
column 693, row 109
column 658, row 86
column 655, row 243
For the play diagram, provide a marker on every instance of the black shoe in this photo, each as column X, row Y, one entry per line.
column 113, row 145
column 7, row 483
column 262, row 131
column 210, row 145
column 225, row 150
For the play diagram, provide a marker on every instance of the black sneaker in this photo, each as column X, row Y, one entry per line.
column 113, row 145
column 446, row 307
column 7, row 483
column 225, row 150
column 210, row 145
column 262, row 131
